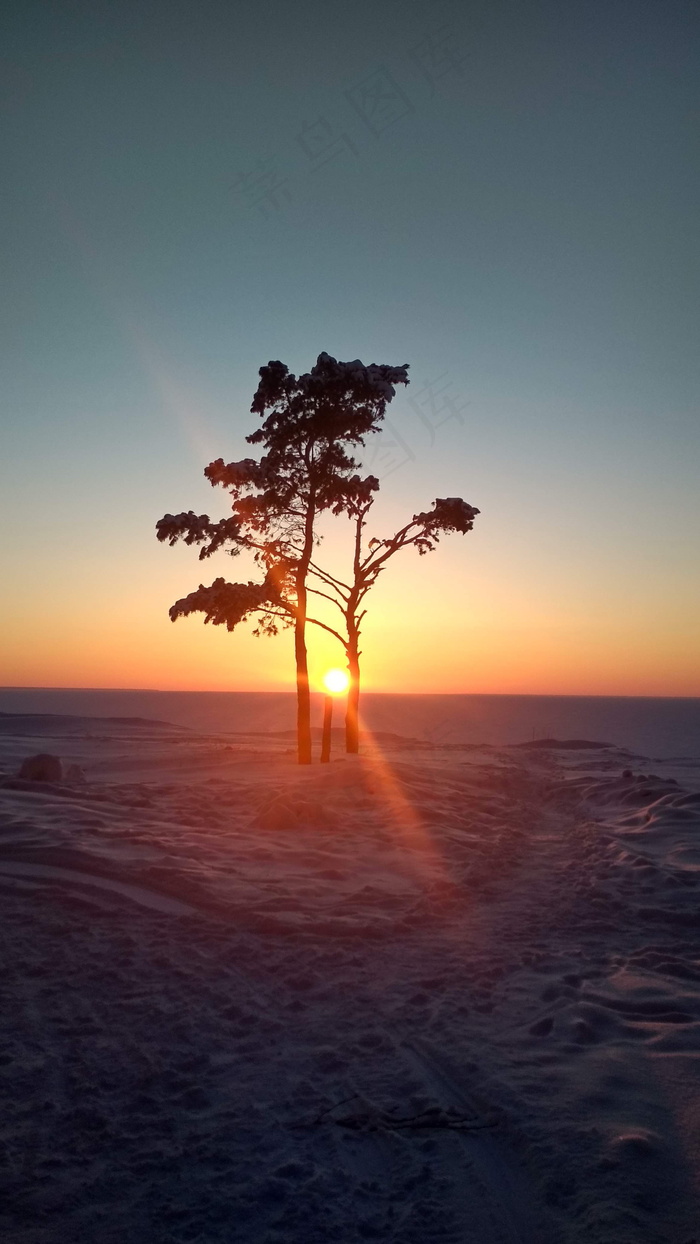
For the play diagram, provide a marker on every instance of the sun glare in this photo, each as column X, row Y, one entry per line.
column 336, row 681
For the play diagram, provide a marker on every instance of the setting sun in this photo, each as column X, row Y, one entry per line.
column 336, row 681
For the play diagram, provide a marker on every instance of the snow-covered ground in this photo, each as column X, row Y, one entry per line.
column 421, row 995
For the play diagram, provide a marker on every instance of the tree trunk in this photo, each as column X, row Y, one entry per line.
column 352, row 622
column 352, row 719
column 303, row 695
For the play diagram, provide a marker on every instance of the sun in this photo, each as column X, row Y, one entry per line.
column 336, row 681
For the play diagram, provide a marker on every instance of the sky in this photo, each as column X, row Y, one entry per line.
column 503, row 195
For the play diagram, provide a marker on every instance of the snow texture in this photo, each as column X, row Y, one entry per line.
column 421, row 996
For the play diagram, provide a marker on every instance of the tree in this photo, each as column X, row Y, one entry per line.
column 309, row 424
column 423, row 532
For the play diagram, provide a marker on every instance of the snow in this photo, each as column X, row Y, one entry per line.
column 417, row 995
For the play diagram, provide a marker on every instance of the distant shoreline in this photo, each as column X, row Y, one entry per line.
column 666, row 726
column 485, row 695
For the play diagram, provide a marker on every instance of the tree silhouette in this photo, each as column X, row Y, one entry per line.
column 423, row 532
column 309, row 424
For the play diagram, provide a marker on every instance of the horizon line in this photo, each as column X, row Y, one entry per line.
column 542, row 695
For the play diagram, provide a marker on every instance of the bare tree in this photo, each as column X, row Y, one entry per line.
column 423, row 532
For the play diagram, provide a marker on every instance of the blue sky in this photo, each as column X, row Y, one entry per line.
column 502, row 195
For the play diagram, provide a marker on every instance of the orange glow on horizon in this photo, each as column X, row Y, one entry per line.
column 191, row 657
column 490, row 643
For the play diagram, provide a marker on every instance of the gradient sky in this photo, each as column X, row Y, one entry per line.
column 503, row 195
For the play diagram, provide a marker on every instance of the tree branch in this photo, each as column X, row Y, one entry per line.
column 327, row 577
column 330, row 630
column 325, row 596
